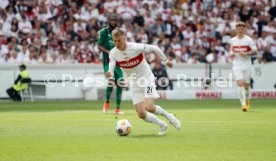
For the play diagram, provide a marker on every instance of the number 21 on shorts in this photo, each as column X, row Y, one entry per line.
column 149, row 90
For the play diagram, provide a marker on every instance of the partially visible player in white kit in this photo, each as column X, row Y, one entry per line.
column 242, row 48
column 131, row 58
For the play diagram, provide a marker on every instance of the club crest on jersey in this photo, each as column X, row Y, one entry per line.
column 131, row 63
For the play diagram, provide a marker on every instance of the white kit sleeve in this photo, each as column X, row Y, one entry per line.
column 112, row 63
column 155, row 49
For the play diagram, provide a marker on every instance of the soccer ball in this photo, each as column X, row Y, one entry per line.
column 123, row 127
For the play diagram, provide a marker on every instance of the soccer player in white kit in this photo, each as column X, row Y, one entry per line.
column 131, row 58
column 242, row 48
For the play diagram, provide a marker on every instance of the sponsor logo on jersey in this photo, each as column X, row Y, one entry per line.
column 208, row 95
column 241, row 48
column 131, row 63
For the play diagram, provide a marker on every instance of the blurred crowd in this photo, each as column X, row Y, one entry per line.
column 188, row 31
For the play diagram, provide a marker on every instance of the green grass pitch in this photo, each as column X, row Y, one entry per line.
column 213, row 130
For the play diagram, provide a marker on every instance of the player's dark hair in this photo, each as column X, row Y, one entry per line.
column 112, row 16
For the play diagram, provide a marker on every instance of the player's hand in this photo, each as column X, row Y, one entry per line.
column 169, row 63
column 108, row 74
column 243, row 54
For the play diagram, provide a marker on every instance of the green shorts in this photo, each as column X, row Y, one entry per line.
column 117, row 71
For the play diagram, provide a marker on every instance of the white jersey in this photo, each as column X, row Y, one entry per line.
column 132, row 60
column 245, row 44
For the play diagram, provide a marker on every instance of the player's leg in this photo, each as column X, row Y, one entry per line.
column 149, row 117
column 119, row 90
column 241, row 94
column 246, row 86
column 150, row 95
column 151, row 107
column 241, row 91
column 108, row 91
column 247, row 94
column 138, row 101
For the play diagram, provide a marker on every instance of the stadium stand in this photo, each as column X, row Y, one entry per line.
column 188, row 31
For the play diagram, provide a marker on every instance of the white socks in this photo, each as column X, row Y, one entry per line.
column 153, row 119
column 160, row 111
column 241, row 93
column 173, row 120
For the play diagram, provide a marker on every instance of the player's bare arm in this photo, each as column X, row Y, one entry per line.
column 232, row 54
column 252, row 53
column 111, row 65
column 108, row 75
column 101, row 48
column 169, row 63
column 243, row 54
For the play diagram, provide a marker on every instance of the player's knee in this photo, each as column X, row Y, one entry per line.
column 240, row 83
column 142, row 115
column 150, row 108
column 246, row 85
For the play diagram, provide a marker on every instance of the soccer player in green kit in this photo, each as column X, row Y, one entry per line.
column 105, row 43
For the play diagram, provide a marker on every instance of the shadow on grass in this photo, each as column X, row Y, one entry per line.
column 144, row 136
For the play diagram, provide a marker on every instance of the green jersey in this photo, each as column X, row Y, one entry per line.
column 105, row 39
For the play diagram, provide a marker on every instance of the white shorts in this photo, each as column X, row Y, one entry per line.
column 242, row 74
column 139, row 93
